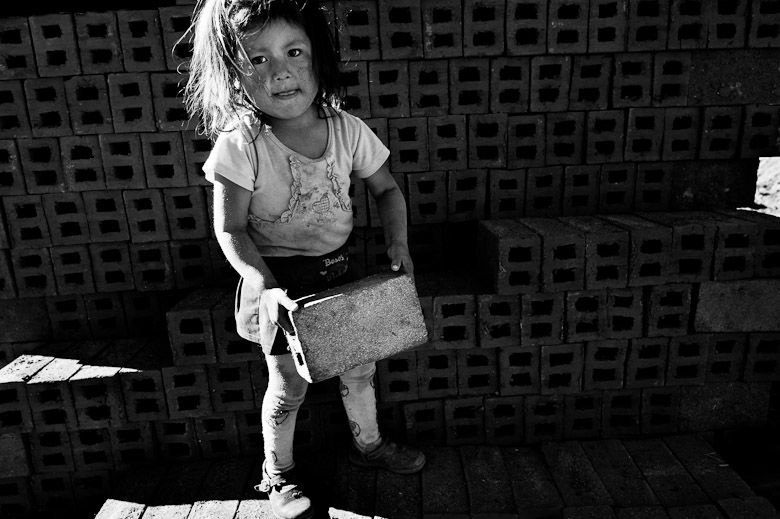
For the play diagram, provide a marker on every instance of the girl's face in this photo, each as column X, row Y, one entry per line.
column 283, row 84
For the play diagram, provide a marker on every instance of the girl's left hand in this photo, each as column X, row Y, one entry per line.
column 400, row 258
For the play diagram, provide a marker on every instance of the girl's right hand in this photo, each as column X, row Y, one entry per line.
column 270, row 301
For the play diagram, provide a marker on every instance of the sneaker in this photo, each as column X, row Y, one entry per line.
column 286, row 496
column 391, row 456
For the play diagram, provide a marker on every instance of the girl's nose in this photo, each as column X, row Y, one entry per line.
column 281, row 71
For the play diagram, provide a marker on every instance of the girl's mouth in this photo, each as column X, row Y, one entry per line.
column 286, row 94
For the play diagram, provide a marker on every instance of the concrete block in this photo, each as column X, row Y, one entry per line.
column 550, row 83
column 17, row 52
column 724, row 406
column 41, row 165
column 464, row 420
column 469, row 86
column 389, row 88
column 11, row 179
column 518, row 370
column 47, row 107
column 122, row 161
column 631, row 86
column 526, row 27
column 354, row 335
column 142, row 45
column 88, row 104
column 54, row 40
column 400, row 29
column 358, row 24
column 509, row 84
column 731, row 306
column 98, row 42
column 607, row 26
column 505, row 193
column 442, row 29
column 544, row 418
column 14, row 122
column 543, row 191
column 734, row 77
column 582, row 415
column 483, row 27
column 526, row 140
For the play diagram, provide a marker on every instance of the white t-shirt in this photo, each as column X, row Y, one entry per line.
column 299, row 205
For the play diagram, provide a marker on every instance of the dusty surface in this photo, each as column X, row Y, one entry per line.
column 768, row 185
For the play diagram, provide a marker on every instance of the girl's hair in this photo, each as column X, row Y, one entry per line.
column 214, row 90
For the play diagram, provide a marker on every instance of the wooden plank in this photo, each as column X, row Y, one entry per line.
column 713, row 474
column 113, row 509
column 487, row 480
column 532, row 484
column 695, row 512
column 137, row 485
column 174, row 497
column 219, row 498
column 620, row 475
column 748, row 508
column 254, row 504
column 398, row 495
column 356, row 488
column 642, row 512
column 589, row 512
column 671, row 483
column 574, row 475
column 444, row 488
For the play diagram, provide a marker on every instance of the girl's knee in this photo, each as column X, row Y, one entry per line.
column 362, row 373
column 284, row 382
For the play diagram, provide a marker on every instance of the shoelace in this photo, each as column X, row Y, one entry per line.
column 275, row 482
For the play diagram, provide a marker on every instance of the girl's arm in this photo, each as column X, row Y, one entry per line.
column 231, row 211
column 392, row 211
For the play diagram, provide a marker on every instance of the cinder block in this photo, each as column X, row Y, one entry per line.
column 720, row 134
column 68, row 316
column 763, row 357
column 174, row 25
column 561, row 368
column 736, row 241
column 397, row 376
column 52, row 490
column 526, row 27
column 518, row 370
column 146, row 215
column 568, row 26
column 26, row 221
column 647, row 362
column 621, row 413
column 607, row 26
column 81, row 163
column 477, row 371
column 217, row 435
column 229, row 346
column 190, row 329
column 196, row 150
column 354, row 78
column 72, row 269
column 617, row 187
column 186, row 391
column 51, row 452
column 11, row 179
column 111, row 266
column 714, row 79
column 169, row 109
column 98, row 42
column 13, row 111
column 132, row 445
column 427, row 197
column 660, row 410
column 720, row 309
column 631, row 86
column 498, row 320
column 624, row 313
column 693, row 243
column 400, row 29
column 605, row 136
column 580, row 190
column 565, row 138
column 88, row 104
column 725, row 356
column 447, row 142
column 122, row 161
column 466, row 194
column 408, row 142
column 723, row 406
column 47, row 107
column 17, row 499
column 767, row 248
column 510, row 80
column 563, row 254
column 681, row 133
column 142, row 385
column 17, row 53
column 51, row 402
column 105, row 314
column 97, row 397
column 250, row 437
column 513, row 253
column 105, row 214
column 541, row 319
column 442, row 29
column 15, row 414
column 142, row 46
column 526, row 140
column 131, row 102
column 688, row 358
column 765, row 24
column 648, row 25
column 191, row 263
column 376, row 260
column 550, row 83
column 727, row 24
column 24, row 320
column 604, row 364
column 176, row 439
column 505, row 194
column 606, row 252
column 585, row 315
column 504, row 420
column 759, row 131
column 437, row 373
column 483, row 27
column 186, row 211
column 671, row 75
column 7, row 285
column 54, row 40
column 164, row 159
column 33, row 272
column 389, row 88
column 464, row 420
column 582, row 414
column 651, row 246
column 358, row 24
column 589, row 84
column 668, row 310
column 429, row 87
column 644, row 133
column 91, row 449
column 688, row 27
column 544, row 418
column 487, row 140
column 146, row 310
column 454, row 322
column 469, row 86
column 424, row 422
column 41, row 165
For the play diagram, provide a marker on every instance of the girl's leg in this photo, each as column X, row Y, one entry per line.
column 358, row 395
column 284, row 396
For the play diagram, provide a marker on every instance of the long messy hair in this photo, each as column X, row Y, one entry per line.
column 214, row 90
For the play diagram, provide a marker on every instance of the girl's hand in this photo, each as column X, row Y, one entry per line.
column 400, row 258
column 270, row 300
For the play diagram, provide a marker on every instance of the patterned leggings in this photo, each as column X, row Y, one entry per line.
column 284, row 396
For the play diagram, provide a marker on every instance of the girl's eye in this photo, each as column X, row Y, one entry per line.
column 295, row 52
column 258, row 60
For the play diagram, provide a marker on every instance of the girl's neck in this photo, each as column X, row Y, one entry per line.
column 301, row 123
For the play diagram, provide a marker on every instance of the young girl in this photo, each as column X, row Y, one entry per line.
column 264, row 81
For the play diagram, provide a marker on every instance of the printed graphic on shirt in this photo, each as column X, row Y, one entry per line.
column 314, row 196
